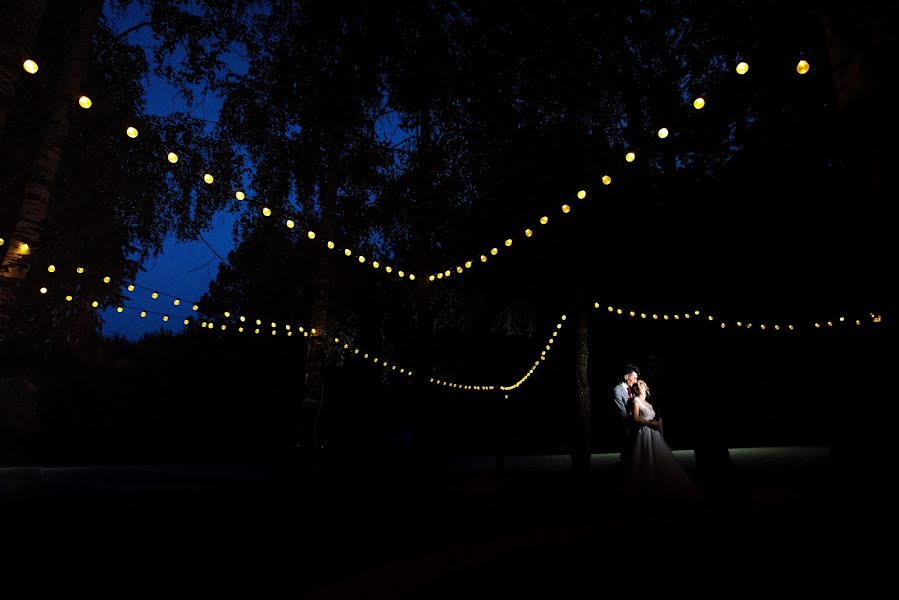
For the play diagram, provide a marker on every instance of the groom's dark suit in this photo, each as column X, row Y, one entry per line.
column 624, row 404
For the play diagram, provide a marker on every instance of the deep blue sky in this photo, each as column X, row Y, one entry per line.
column 183, row 269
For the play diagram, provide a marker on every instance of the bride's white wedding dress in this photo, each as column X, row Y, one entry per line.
column 653, row 472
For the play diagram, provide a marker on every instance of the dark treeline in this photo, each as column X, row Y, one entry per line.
column 421, row 135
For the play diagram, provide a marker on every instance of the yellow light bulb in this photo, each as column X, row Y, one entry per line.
column 80, row 270
column 630, row 156
column 431, row 278
column 606, row 180
column 119, row 309
column 699, row 103
column 186, row 321
column 239, row 195
column 439, row 275
column 528, row 233
column 290, row 223
column 401, row 274
column 173, row 158
column 389, row 269
column 131, row 288
column 411, row 277
column 361, row 258
column 347, row 252
column 227, row 314
column 208, row 178
column 68, row 298
column 106, row 279
column 483, row 258
column 95, row 304
column 494, row 251
column 131, row 132
column 51, row 269
column 566, row 209
column 195, row 307
column 802, row 67
column 582, row 194
column 663, row 133
column 458, row 269
column 24, row 248
column 508, row 242
column 330, row 244
column 267, row 211
column 742, row 68
column 467, row 264
column 30, row 66
column 544, row 220
column 376, row 264
column 165, row 317
column 84, row 102
column 154, row 295
column 43, row 290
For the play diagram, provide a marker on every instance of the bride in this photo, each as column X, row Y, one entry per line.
column 652, row 472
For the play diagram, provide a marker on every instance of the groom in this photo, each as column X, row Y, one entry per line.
column 624, row 403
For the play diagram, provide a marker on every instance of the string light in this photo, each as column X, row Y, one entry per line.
column 663, row 133
column 131, row 132
column 239, row 195
column 630, row 156
column 699, row 103
column 208, row 178
column 742, row 68
column 85, row 102
column 582, row 194
column 173, row 158
column 802, row 67
column 606, row 180
column 30, row 66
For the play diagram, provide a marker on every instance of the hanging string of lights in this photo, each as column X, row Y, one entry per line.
column 352, row 350
column 742, row 68
column 788, row 325
column 536, row 365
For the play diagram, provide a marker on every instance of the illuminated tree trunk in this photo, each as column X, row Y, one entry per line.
column 18, row 31
column 313, row 384
column 38, row 189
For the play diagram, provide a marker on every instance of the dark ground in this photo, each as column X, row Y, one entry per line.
column 784, row 519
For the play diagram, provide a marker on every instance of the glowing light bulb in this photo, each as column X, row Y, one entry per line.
column 467, row 264
column 483, row 258
column 330, row 245
column 361, row 258
column 95, row 304
column 208, row 178
column 30, row 66
column 119, row 309
column 43, row 290
column 106, row 279
column 742, row 68
column 376, row 264
column 131, row 132
column 606, row 180
column 51, row 269
column 566, row 209
column 494, row 251
column 154, row 295
column 582, row 194
column 131, row 287
column 528, row 233
column 84, row 102
column 802, row 67
column 24, row 248
column 508, row 243
column 290, row 223
column 80, row 270
column 173, row 158
column 347, row 252
column 267, row 211
column 699, row 103
column 630, row 156
column 544, row 220
column 663, row 133
column 68, row 298
column 239, row 195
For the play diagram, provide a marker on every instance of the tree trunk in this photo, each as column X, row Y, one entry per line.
column 18, row 31
column 38, row 189
column 313, row 383
column 425, row 426
column 580, row 458
column 862, row 43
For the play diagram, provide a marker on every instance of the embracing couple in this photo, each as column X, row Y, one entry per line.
column 650, row 470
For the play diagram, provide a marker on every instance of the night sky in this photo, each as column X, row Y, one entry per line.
column 183, row 269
